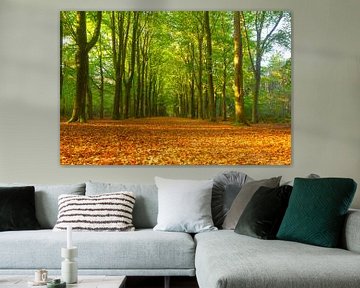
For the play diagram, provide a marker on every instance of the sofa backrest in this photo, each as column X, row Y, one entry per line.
column 46, row 200
column 146, row 203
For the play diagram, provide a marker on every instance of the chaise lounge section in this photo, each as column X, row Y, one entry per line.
column 225, row 259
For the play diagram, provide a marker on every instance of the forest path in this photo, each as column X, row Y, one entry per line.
column 173, row 141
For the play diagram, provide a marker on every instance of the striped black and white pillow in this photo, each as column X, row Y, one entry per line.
column 105, row 212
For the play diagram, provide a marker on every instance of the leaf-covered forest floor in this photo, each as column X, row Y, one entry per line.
column 173, row 141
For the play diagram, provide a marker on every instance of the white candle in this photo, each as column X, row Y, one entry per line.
column 69, row 237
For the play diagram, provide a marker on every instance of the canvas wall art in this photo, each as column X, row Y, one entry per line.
column 175, row 88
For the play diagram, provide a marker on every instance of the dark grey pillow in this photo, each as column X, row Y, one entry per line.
column 225, row 189
column 243, row 198
column 263, row 214
column 17, row 209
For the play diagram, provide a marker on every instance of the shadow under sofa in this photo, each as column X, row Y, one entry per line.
column 220, row 259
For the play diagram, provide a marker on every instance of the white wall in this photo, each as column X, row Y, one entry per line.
column 326, row 91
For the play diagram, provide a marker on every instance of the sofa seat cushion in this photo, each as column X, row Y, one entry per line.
column 225, row 259
column 137, row 250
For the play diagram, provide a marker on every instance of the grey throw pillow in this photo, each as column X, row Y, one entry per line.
column 242, row 199
column 184, row 205
column 226, row 187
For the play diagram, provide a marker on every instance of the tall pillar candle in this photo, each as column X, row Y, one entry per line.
column 69, row 237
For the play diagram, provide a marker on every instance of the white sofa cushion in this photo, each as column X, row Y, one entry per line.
column 184, row 205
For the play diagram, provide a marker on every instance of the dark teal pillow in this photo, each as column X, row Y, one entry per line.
column 316, row 211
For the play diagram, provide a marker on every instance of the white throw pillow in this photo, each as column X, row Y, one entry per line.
column 184, row 205
column 104, row 212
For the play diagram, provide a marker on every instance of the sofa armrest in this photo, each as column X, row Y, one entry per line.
column 351, row 234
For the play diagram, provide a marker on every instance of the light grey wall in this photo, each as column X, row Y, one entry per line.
column 326, row 91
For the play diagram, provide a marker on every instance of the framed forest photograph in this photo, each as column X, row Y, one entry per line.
column 175, row 88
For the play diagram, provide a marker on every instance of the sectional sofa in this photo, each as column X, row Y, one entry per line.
column 218, row 259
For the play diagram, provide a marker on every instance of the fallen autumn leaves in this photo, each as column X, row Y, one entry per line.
column 173, row 141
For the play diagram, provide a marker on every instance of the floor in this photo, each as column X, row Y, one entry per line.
column 158, row 282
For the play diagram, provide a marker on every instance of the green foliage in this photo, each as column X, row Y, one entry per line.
column 169, row 45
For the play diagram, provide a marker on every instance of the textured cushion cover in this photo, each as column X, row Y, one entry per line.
column 146, row 205
column 46, row 200
column 17, row 208
column 106, row 212
column 184, row 205
column 226, row 187
column 316, row 211
column 263, row 215
column 243, row 198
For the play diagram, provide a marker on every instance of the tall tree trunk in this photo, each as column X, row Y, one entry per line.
column 143, row 79
column 238, row 65
column 89, row 98
column 146, row 88
column 192, row 101
column 200, row 83
column 62, row 98
column 255, row 107
column 101, row 68
column 142, row 95
column 257, row 74
column 78, row 113
column 128, row 82
column 150, row 95
column 224, row 91
column 117, row 39
column 82, row 64
column 262, row 43
column 209, row 66
column 137, row 98
column 192, row 82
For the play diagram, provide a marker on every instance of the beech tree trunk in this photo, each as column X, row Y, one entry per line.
column 101, row 88
column 131, row 66
column 82, row 64
column 209, row 66
column 238, row 66
column 200, row 75
column 62, row 98
column 262, row 43
column 78, row 113
column 117, row 40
